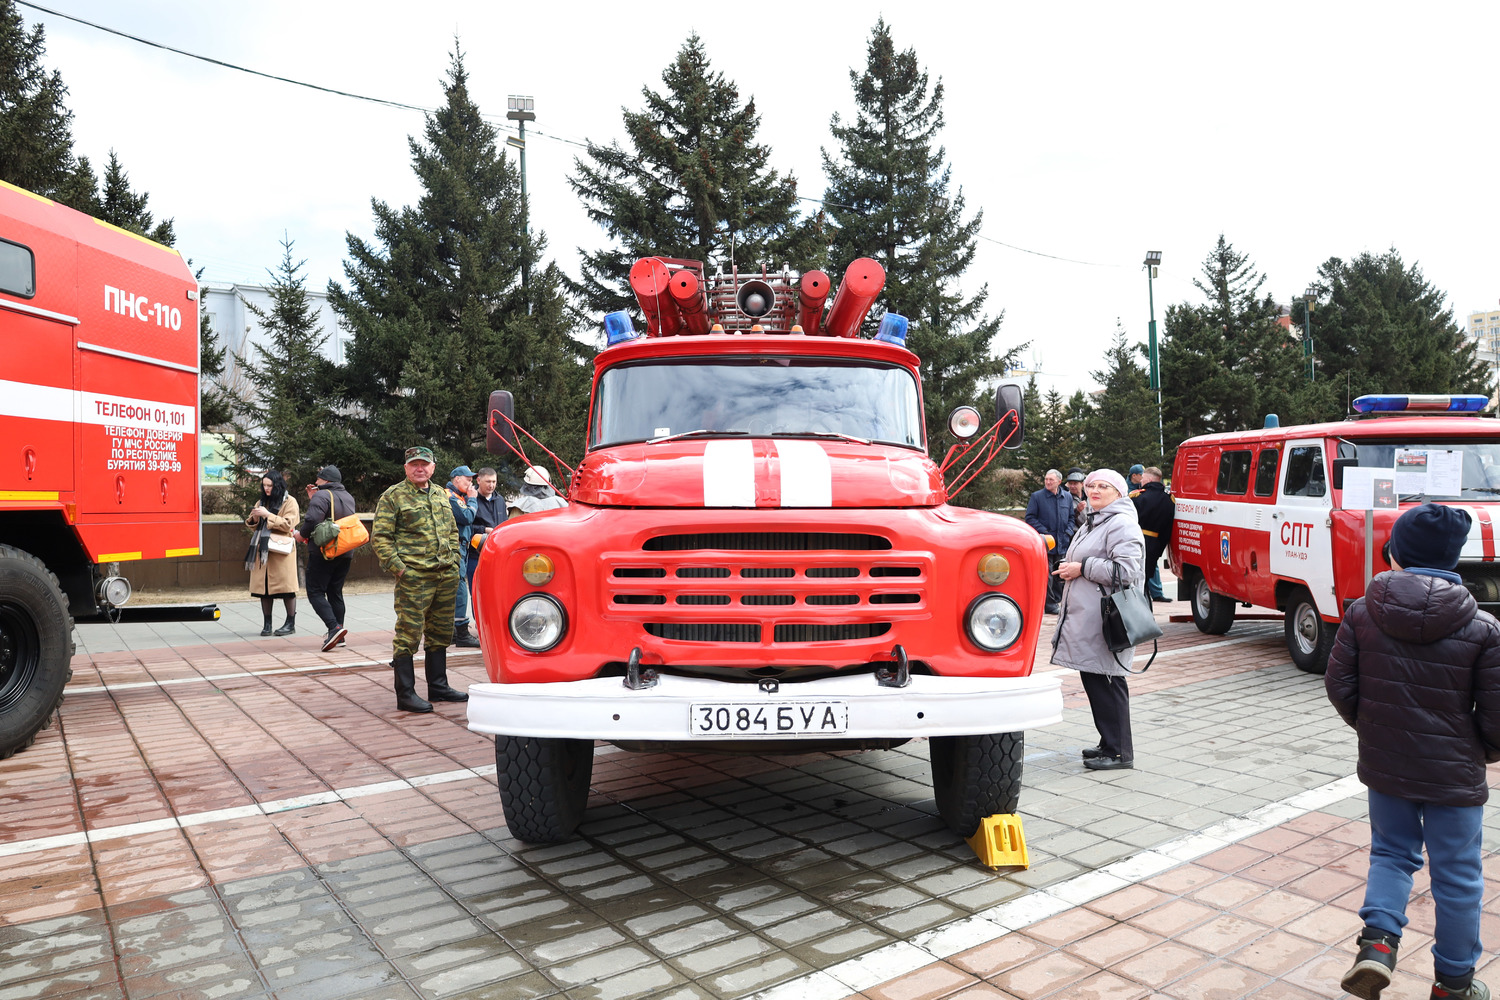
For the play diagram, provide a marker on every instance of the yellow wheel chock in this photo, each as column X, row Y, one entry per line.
column 999, row 842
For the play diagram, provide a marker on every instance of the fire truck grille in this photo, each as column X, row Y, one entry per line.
column 705, row 631
column 768, row 588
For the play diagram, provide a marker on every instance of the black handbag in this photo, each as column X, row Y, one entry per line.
column 1128, row 620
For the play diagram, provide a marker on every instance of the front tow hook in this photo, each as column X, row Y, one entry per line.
column 637, row 679
column 899, row 677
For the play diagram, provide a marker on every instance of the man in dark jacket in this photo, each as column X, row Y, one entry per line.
column 464, row 500
column 491, row 514
column 1415, row 669
column 1154, row 508
column 1050, row 512
column 325, row 577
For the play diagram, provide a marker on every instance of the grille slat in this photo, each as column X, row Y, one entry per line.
column 829, row 633
column 769, row 541
column 705, row 631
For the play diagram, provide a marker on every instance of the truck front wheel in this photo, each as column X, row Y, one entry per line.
column 1212, row 613
column 975, row 776
column 36, row 648
column 1308, row 637
column 544, row 785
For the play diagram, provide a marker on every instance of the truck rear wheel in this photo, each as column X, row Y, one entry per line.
column 544, row 785
column 1308, row 637
column 1212, row 613
column 36, row 648
column 975, row 776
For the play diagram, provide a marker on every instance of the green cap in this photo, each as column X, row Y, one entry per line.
column 419, row 454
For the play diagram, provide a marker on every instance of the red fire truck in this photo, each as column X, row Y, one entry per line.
column 98, row 435
column 1296, row 518
column 759, row 557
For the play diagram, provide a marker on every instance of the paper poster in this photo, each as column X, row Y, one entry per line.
column 1369, row 489
column 1445, row 473
column 1411, row 471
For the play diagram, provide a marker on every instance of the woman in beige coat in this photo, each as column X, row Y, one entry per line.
column 273, row 574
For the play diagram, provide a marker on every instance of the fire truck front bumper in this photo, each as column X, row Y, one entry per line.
column 690, row 709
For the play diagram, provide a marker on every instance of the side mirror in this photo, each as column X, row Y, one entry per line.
column 1010, row 396
column 1341, row 463
column 499, row 435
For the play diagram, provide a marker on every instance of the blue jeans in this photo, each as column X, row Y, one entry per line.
column 1153, row 582
column 1398, row 829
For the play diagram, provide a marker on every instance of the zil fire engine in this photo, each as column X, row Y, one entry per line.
column 1296, row 518
column 98, row 435
column 759, row 557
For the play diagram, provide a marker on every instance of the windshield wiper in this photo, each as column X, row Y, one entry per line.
column 700, row 432
column 825, row 434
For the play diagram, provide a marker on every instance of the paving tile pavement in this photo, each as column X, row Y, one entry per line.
column 695, row 875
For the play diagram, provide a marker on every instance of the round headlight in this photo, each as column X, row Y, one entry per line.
column 537, row 570
column 993, row 621
column 994, row 569
column 963, row 422
column 538, row 622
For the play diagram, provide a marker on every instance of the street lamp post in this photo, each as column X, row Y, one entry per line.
column 522, row 110
column 1153, row 261
column 1307, row 338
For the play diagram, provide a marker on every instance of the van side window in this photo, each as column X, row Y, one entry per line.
column 17, row 270
column 1265, row 472
column 1234, row 472
column 1304, row 472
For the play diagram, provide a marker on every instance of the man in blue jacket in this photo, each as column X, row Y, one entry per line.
column 465, row 502
column 1050, row 512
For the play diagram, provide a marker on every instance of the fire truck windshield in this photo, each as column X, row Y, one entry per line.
column 763, row 396
column 1479, row 479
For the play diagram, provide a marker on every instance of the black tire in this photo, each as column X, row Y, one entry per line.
column 1308, row 637
column 975, row 776
column 1212, row 613
column 36, row 648
column 544, row 785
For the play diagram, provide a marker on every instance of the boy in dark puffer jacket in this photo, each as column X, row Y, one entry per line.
column 1415, row 669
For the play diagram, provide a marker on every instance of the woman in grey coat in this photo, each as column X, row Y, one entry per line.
column 1110, row 539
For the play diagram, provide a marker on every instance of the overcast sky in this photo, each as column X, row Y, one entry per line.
column 1091, row 131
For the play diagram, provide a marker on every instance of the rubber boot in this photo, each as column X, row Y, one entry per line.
column 407, row 699
column 437, row 677
column 288, row 627
column 462, row 638
column 267, row 629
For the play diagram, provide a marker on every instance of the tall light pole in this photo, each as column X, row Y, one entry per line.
column 1307, row 340
column 1153, row 261
column 522, row 110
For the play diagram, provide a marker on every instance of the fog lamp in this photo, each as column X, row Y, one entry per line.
column 537, row 570
column 964, row 422
column 994, row 569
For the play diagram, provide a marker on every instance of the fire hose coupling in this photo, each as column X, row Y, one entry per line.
column 897, row 677
column 637, row 679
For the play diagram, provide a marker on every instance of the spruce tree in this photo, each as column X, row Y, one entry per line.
column 287, row 422
column 692, row 183
column 889, row 198
column 1380, row 326
column 437, row 310
column 123, row 207
column 36, row 127
column 1121, row 428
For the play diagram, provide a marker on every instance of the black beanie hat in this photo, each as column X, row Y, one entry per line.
column 1430, row 536
column 330, row 474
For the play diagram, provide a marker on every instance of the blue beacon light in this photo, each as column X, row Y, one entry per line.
column 618, row 328
column 893, row 329
column 1410, row 402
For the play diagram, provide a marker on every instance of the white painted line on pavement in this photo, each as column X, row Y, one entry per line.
column 242, row 812
column 207, row 678
column 946, row 940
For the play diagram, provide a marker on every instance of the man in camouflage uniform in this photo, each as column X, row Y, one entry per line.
column 416, row 540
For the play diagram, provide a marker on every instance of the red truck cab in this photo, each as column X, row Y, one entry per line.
column 1296, row 518
column 758, row 556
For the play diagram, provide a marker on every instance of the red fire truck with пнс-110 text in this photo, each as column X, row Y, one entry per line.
column 98, row 436
column 758, row 556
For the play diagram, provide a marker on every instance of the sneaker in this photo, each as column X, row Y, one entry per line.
column 1475, row 991
column 335, row 637
column 1373, row 966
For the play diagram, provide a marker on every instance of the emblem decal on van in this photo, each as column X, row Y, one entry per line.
column 1224, row 547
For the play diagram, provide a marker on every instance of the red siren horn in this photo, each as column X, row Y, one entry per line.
column 812, row 294
column 689, row 295
column 862, row 283
column 649, row 280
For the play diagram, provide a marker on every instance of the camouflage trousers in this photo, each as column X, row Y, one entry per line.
column 424, row 605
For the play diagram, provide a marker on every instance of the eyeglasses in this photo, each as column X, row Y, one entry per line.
column 1100, row 486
